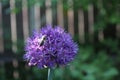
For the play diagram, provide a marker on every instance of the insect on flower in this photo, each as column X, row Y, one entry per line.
column 42, row 40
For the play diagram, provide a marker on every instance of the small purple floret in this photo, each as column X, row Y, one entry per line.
column 50, row 47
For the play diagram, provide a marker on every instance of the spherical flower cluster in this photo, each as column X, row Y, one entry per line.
column 50, row 47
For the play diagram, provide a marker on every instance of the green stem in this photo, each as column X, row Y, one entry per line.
column 50, row 74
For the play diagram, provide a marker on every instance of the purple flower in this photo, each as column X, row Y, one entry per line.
column 50, row 47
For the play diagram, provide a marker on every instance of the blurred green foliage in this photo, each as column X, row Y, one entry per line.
column 89, row 65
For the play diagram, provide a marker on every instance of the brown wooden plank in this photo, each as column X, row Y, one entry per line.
column 60, row 13
column 100, row 35
column 70, row 18
column 37, row 16
column 25, row 19
column 81, row 26
column 71, row 22
column 13, row 26
column 31, row 16
column 91, row 22
column 48, row 12
column 1, row 30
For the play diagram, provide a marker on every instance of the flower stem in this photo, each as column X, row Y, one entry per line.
column 50, row 74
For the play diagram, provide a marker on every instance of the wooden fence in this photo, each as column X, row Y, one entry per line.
column 18, row 18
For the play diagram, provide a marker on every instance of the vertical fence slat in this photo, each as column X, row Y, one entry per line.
column 37, row 16
column 100, row 32
column 26, row 29
column 48, row 12
column 91, row 22
column 15, row 73
column 81, row 25
column 71, row 18
column 60, row 13
column 13, row 26
column 25, row 19
column 71, row 22
column 1, row 30
column 31, row 16
column 100, row 35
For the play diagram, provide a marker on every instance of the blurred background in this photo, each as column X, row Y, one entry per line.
column 94, row 25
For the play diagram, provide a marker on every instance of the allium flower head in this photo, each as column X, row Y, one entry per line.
column 50, row 47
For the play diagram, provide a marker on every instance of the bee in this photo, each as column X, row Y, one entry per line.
column 42, row 40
